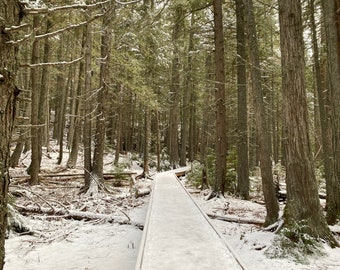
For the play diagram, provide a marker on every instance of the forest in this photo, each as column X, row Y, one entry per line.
column 229, row 88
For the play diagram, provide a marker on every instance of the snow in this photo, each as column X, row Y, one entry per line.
column 60, row 244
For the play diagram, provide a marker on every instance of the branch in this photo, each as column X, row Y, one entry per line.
column 127, row 3
column 64, row 8
column 52, row 63
column 57, row 32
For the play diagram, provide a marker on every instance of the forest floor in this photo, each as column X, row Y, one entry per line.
column 109, row 234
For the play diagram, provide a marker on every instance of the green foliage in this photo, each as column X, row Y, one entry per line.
column 165, row 160
column 195, row 175
column 295, row 241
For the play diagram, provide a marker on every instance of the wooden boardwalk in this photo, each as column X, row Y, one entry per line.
column 178, row 235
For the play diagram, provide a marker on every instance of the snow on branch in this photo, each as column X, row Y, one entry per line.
column 52, row 63
column 127, row 3
column 72, row 26
column 39, row 10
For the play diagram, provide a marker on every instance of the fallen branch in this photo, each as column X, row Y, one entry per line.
column 236, row 219
column 78, row 215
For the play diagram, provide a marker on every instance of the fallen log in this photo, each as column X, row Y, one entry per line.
column 236, row 219
column 71, row 176
column 78, row 215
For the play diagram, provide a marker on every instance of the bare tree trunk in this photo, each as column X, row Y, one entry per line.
column 332, row 28
column 72, row 160
column 9, row 16
column 98, row 154
column 242, row 109
column 262, row 134
column 303, row 205
column 44, row 95
column 87, row 106
column 175, row 87
column 34, row 167
column 188, row 88
column 220, row 142
column 119, row 124
column 326, row 148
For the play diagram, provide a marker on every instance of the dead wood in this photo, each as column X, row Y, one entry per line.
column 236, row 219
column 78, row 215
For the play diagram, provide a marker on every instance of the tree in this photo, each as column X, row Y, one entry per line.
column 262, row 134
column 242, row 110
column 10, row 15
column 303, row 205
column 332, row 29
column 34, row 167
column 220, row 140
column 101, row 111
column 175, row 85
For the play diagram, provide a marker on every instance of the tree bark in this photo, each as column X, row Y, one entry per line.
column 242, row 109
column 98, row 154
column 262, row 133
column 87, row 106
column 9, row 16
column 303, row 205
column 220, row 140
column 175, row 86
column 34, row 167
column 332, row 28
column 326, row 148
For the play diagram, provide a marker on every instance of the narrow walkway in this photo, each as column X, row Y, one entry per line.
column 177, row 235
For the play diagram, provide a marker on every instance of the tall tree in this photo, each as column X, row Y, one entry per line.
column 325, row 140
column 220, row 140
column 332, row 29
column 87, row 104
column 262, row 134
column 34, row 167
column 242, row 110
column 10, row 14
column 175, row 84
column 101, row 111
column 303, row 205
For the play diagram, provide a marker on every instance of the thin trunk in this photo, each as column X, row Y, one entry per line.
column 175, row 87
column 321, row 101
column 34, row 167
column 220, row 140
column 98, row 155
column 87, row 106
column 72, row 160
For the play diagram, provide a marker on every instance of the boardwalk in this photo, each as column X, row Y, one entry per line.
column 177, row 235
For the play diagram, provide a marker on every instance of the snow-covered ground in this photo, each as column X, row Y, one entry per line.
column 61, row 244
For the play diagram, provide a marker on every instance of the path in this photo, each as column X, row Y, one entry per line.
column 178, row 235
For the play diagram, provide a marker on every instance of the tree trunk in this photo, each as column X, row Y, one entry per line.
column 188, row 88
column 262, row 133
column 175, row 86
column 87, row 106
column 98, row 154
column 332, row 28
column 9, row 16
column 220, row 141
column 242, row 109
column 78, row 111
column 34, row 167
column 326, row 148
column 303, row 205
column 44, row 94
